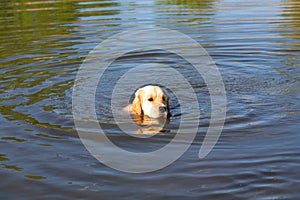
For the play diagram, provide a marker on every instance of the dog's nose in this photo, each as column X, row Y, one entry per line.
column 162, row 109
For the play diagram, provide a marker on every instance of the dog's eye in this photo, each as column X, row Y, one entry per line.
column 150, row 99
column 163, row 98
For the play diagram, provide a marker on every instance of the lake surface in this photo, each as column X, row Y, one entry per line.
column 255, row 45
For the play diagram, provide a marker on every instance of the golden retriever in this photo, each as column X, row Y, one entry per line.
column 151, row 101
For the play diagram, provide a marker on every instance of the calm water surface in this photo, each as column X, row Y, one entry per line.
column 256, row 46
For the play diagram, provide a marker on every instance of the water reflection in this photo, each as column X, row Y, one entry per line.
column 40, row 55
column 13, row 167
column 187, row 3
column 39, row 27
column 34, row 177
column 14, row 139
column 291, row 12
column 291, row 61
column 3, row 157
column 186, row 12
column 150, row 126
column 27, row 25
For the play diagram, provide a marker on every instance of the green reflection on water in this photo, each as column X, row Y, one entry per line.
column 14, row 167
column 188, row 11
column 14, row 139
column 291, row 60
column 47, row 136
column 187, row 3
column 29, row 26
column 291, row 12
column 40, row 51
column 10, row 114
column 3, row 157
column 26, row 24
column 45, row 145
column 35, row 177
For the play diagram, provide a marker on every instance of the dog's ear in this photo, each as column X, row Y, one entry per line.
column 136, row 106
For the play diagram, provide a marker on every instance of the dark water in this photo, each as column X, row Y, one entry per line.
column 256, row 46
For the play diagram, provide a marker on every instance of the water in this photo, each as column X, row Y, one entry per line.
column 256, row 47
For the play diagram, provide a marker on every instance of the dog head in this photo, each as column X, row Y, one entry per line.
column 152, row 101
